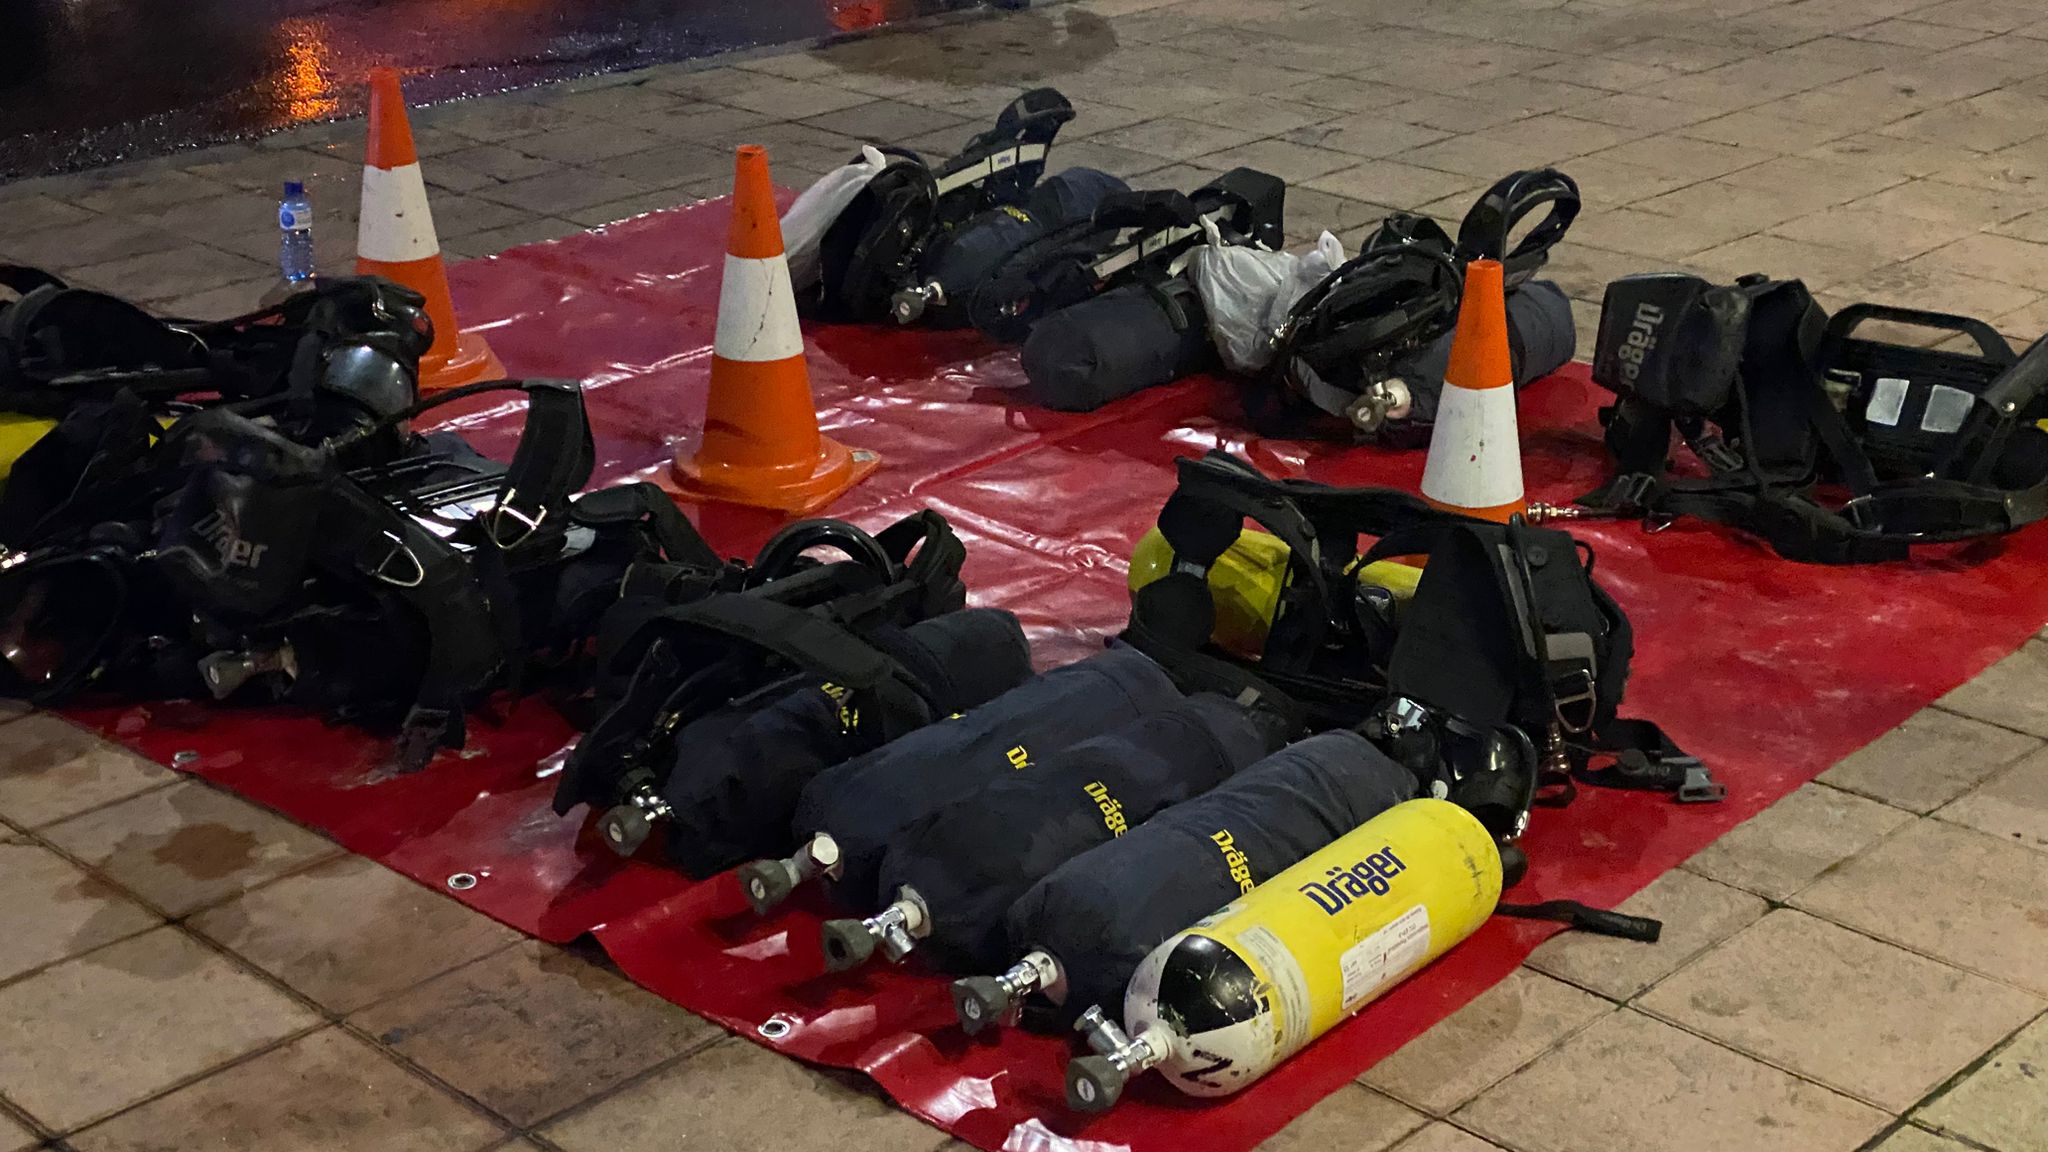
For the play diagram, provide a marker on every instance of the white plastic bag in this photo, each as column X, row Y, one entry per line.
column 1326, row 257
column 1238, row 284
column 805, row 224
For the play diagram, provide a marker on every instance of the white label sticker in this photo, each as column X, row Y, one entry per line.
column 1887, row 400
column 1947, row 408
column 1376, row 962
column 1289, row 984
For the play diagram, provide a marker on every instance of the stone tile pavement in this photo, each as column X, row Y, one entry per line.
column 1864, row 965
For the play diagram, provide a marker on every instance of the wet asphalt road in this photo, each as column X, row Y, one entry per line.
column 87, row 82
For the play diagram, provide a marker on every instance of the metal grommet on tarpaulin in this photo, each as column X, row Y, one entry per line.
column 777, row 1027
column 462, row 881
column 184, row 759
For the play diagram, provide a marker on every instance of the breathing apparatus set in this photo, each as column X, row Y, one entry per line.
column 241, row 510
column 1369, row 344
column 1832, row 445
column 879, row 245
column 724, row 693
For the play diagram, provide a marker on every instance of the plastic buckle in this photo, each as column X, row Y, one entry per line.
column 1631, row 492
column 399, row 550
column 528, row 522
column 1698, row 785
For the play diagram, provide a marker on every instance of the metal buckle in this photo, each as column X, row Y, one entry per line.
column 529, row 522
column 1589, row 696
column 1718, row 455
column 399, row 549
column 1631, row 491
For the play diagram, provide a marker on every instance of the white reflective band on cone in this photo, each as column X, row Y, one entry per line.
column 396, row 225
column 757, row 311
column 1481, row 466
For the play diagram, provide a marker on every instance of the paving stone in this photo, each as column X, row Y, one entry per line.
column 1174, row 138
column 123, row 190
column 1987, row 123
column 1980, row 15
column 1122, row 163
column 50, row 769
column 601, row 214
column 233, row 299
column 711, row 124
column 585, row 144
column 349, row 932
column 1604, row 72
column 324, row 1091
column 2000, row 1105
column 53, row 910
column 1985, row 900
column 564, row 190
column 636, row 105
column 2013, row 803
column 1917, row 34
column 488, row 162
column 495, row 240
column 1352, row 1118
column 1912, row 1139
column 456, row 215
column 1890, row 236
column 885, row 121
column 1541, row 141
column 1697, row 913
column 1584, row 272
column 267, row 170
column 1724, row 203
column 670, row 165
column 531, row 1031
column 1656, row 236
column 1311, row 211
column 1683, row 156
column 492, row 121
column 1929, row 760
column 92, row 241
column 1905, row 157
column 1831, row 1005
column 1437, row 1136
column 1955, row 203
column 1502, row 1029
column 2000, row 258
column 1783, row 848
column 2033, row 227
column 1646, row 113
column 1355, row 95
column 738, row 1097
column 1451, row 113
column 94, row 1034
column 171, row 272
column 1633, row 1084
column 1820, row 267
column 187, row 846
column 1916, row 284
column 1392, row 182
column 1760, row 129
column 1606, row 184
column 795, row 99
column 1187, row 177
column 30, row 214
column 1266, row 115
column 15, row 1137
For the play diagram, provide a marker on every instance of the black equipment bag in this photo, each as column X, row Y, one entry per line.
column 957, row 262
column 337, row 356
column 685, row 641
column 1369, row 344
column 1137, row 237
column 873, row 249
column 1507, row 630
column 1128, row 339
column 394, row 596
column 969, row 861
column 866, row 802
column 1100, row 913
column 1777, row 400
column 734, row 772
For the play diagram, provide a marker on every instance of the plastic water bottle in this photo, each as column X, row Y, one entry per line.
column 295, row 239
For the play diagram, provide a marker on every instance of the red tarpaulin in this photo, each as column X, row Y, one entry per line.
column 1769, row 671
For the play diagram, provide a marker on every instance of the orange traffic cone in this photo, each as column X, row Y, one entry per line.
column 395, row 239
column 761, row 445
column 1475, row 453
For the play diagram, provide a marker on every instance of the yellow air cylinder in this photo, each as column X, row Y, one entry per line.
column 1222, row 1003
column 18, row 434
column 1246, row 582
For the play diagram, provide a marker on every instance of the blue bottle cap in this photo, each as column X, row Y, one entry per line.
column 294, row 188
